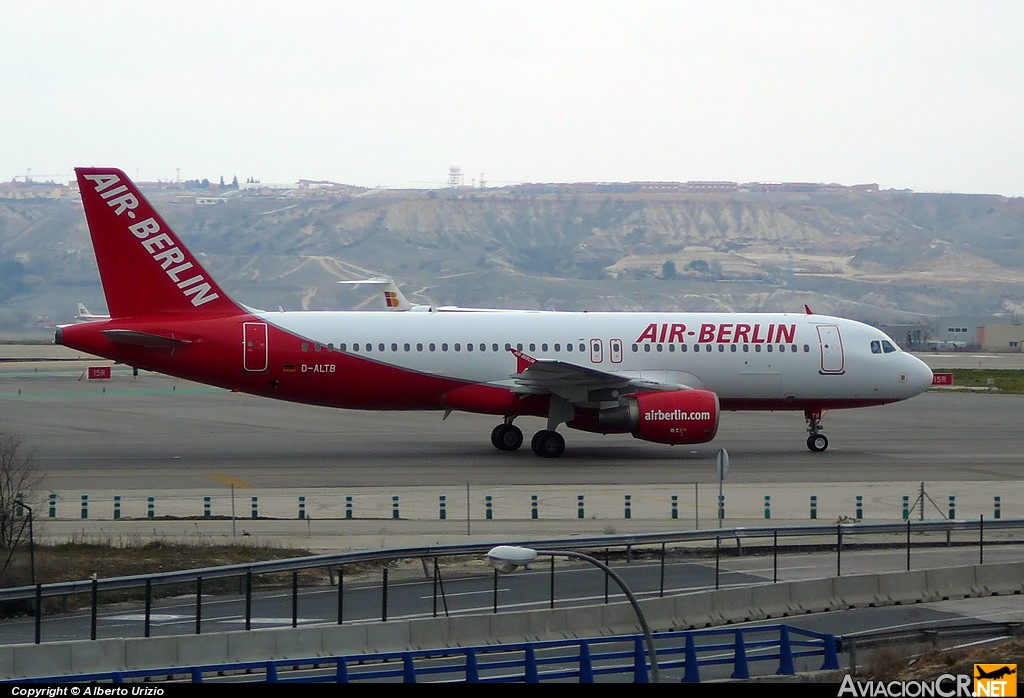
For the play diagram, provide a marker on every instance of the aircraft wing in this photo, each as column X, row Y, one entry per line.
column 579, row 384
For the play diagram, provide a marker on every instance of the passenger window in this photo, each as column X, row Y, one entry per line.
column 683, row 347
column 342, row 347
column 768, row 348
column 782, row 347
column 394, row 347
column 533, row 347
column 458, row 347
column 355, row 346
column 807, row 348
column 519, row 346
column 671, row 347
column 876, row 347
column 316, row 347
column 508, row 347
column 380, row 346
column 721, row 348
column 305, row 346
column 732, row 347
column 433, row 347
column 746, row 347
column 757, row 348
column 407, row 347
column 583, row 347
column 558, row 347
column 419, row 346
column 660, row 348
column 544, row 346
column 647, row 347
column 469, row 346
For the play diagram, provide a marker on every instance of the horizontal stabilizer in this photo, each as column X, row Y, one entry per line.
column 143, row 339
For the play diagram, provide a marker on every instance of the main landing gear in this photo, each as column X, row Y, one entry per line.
column 507, row 436
column 817, row 441
column 546, row 443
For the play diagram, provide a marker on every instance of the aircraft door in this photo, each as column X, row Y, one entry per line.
column 831, row 343
column 254, row 346
column 615, row 346
column 596, row 351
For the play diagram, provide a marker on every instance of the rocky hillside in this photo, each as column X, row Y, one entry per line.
column 880, row 256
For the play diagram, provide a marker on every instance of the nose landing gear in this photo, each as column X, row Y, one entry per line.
column 817, row 441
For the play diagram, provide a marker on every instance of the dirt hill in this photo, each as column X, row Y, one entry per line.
column 879, row 256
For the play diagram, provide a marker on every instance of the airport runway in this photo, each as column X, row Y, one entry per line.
column 150, row 434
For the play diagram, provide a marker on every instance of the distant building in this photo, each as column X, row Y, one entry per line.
column 965, row 332
column 1001, row 338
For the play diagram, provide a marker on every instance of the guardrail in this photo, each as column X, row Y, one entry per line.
column 659, row 546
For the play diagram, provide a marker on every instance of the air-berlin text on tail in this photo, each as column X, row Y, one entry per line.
column 159, row 245
column 722, row 333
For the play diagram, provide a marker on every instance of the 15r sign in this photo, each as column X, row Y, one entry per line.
column 99, row 373
column 942, row 379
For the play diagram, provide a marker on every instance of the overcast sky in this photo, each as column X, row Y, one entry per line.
column 922, row 95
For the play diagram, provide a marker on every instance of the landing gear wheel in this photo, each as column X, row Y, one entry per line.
column 548, row 444
column 817, row 442
column 506, row 437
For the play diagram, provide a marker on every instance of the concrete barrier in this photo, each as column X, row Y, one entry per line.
column 810, row 596
column 251, row 646
column 903, row 588
column 856, row 591
column 999, row 578
column 771, row 600
column 949, row 583
column 691, row 611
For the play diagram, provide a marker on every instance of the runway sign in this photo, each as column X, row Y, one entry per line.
column 942, row 379
column 99, row 373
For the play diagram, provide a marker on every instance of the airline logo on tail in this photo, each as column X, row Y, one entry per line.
column 160, row 247
column 391, row 299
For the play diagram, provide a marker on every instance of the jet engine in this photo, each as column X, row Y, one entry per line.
column 671, row 417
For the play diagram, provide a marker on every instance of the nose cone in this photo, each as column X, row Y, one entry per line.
column 919, row 375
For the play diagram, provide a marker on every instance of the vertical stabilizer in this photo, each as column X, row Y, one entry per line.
column 144, row 268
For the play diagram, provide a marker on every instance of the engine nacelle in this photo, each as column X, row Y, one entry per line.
column 672, row 417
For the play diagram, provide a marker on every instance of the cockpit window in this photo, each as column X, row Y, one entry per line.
column 887, row 346
column 876, row 347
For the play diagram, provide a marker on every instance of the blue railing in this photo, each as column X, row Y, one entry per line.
column 681, row 656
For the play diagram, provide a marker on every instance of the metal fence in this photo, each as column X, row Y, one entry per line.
column 662, row 548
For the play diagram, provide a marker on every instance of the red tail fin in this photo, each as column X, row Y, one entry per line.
column 143, row 266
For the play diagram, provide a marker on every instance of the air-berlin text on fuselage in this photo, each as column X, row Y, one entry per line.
column 674, row 416
column 159, row 245
column 722, row 333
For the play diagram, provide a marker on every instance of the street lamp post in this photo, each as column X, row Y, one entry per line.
column 506, row 558
column 31, row 540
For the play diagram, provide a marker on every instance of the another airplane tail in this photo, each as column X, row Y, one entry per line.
column 144, row 268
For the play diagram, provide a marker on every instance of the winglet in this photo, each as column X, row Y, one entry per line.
column 523, row 360
column 807, row 309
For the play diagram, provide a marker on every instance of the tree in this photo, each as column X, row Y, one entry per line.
column 668, row 270
column 20, row 476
